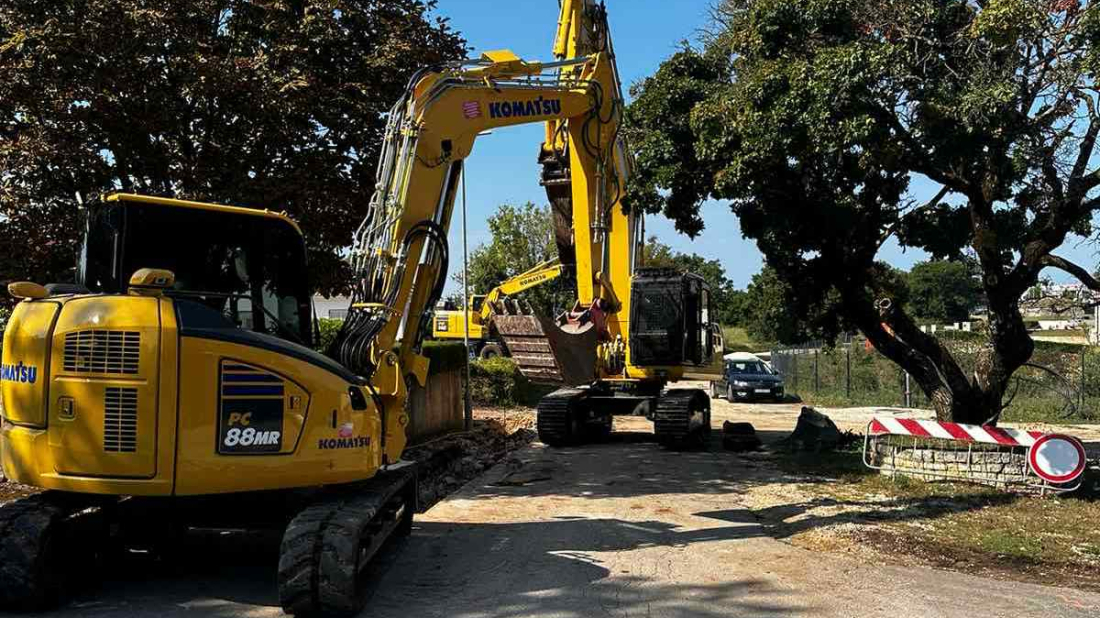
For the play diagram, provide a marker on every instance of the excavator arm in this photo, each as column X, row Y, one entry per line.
column 535, row 276
column 400, row 253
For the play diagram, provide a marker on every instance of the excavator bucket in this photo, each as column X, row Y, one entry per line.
column 545, row 352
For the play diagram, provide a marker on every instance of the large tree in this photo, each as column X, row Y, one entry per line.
column 819, row 120
column 277, row 104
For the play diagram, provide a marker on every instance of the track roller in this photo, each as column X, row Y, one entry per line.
column 682, row 418
column 328, row 546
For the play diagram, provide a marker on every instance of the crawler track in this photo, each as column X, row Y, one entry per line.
column 558, row 417
column 45, row 541
column 327, row 547
column 682, row 418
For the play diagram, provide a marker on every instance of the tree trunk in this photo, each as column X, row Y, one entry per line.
column 955, row 396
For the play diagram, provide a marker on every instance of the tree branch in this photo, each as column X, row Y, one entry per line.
column 935, row 201
column 1082, row 275
column 1088, row 143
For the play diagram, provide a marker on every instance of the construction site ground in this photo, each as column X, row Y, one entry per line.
column 626, row 528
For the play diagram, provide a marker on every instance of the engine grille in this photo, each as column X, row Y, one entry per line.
column 120, row 418
column 103, row 351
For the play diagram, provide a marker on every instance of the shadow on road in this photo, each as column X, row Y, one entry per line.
column 570, row 567
column 557, row 566
column 546, row 568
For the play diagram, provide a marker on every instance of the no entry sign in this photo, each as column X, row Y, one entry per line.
column 1057, row 458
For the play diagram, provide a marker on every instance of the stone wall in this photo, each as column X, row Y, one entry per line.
column 945, row 459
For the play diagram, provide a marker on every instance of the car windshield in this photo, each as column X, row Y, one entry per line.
column 748, row 368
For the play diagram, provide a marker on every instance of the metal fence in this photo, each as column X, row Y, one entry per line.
column 1061, row 381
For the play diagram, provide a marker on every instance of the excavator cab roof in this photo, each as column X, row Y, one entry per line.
column 174, row 203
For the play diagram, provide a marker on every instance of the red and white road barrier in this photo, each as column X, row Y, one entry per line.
column 954, row 431
column 1055, row 458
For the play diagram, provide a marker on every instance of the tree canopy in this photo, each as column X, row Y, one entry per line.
column 276, row 105
column 521, row 238
column 943, row 291
column 819, row 119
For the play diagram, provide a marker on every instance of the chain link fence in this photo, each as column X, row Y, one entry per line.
column 1060, row 382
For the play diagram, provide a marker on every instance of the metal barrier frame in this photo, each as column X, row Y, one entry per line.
column 1031, row 480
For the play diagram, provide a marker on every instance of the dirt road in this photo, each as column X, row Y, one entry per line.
column 620, row 529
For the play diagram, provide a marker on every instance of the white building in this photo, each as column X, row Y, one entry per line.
column 335, row 308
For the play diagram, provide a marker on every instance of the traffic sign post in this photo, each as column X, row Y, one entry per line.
column 1057, row 459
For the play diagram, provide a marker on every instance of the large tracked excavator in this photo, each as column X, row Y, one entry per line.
column 633, row 330
column 172, row 386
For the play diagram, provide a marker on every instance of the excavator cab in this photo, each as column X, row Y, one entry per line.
column 248, row 265
column 671, row 320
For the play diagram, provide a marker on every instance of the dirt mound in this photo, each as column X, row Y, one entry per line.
column 449, row 462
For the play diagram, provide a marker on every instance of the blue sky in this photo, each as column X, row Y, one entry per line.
column 503, row 167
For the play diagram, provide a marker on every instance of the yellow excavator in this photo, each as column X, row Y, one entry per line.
column 633, row 330
column 173, row 386
column 451, row 324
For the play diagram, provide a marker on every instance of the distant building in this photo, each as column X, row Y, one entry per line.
column 964, row 327
column 335, row 308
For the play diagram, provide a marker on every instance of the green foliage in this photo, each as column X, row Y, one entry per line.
column 5, row 315
column 727, row 302
column 522, row 237
column 812, row 117
column 737, row 339
column 943, row 291
column 277, row 105
column 775, row 310
column 329, row 328
column 498, row 383
column 444, row 356
column 769, row 315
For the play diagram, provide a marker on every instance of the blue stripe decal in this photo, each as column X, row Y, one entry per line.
column 250, row 377
column 241, row 390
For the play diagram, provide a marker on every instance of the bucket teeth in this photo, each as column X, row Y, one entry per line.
column 544, row 352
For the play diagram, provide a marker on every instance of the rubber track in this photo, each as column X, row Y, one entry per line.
column 672, row 420
column 318, row 556
column 552, row 417
column 25, row 525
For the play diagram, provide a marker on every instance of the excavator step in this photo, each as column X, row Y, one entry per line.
column 682, row 417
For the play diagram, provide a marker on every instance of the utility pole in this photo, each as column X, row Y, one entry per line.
column 469, row 408
column 848, row 369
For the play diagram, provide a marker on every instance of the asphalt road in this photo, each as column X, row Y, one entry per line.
column 621, row 529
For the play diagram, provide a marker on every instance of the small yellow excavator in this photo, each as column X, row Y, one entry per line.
column 451, row 324
column 173, row 384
